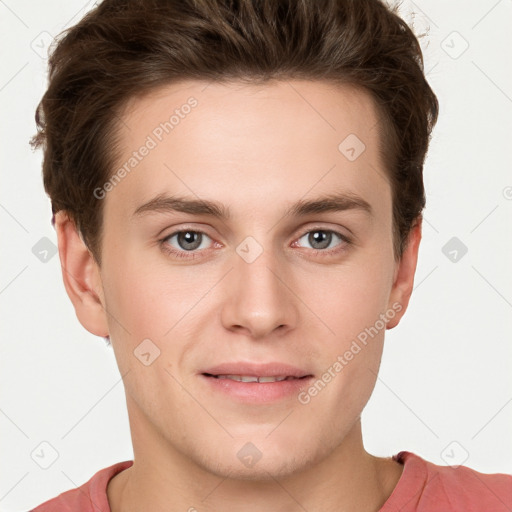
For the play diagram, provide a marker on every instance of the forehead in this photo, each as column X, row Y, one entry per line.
column 249, row 145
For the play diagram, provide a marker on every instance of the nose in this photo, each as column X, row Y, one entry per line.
column 259, row 297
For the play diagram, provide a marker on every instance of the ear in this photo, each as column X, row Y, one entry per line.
column 403, row 279
column 81, row 276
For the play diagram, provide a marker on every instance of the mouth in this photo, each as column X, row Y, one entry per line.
column 252, row 383
column 254, row 378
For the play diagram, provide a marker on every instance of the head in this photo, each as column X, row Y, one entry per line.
column 263, row 113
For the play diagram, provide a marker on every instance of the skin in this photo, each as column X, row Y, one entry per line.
column 256, row 149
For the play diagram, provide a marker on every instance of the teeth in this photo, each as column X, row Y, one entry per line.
column 270, row 379
column 252, row 378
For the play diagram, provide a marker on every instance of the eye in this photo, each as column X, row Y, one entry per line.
column 322, row 239
column 186, row 243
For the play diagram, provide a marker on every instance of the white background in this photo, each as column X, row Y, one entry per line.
column 446, row 369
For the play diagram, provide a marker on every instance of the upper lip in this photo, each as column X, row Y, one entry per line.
column 274, row 369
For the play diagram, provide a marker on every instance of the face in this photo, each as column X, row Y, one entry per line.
column 273, row 287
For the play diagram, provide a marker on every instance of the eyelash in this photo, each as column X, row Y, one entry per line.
column 194, row 254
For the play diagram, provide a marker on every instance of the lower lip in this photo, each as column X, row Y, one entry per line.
column 258, row 392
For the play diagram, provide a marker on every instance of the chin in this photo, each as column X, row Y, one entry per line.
column 267, row 469
column 260, row 457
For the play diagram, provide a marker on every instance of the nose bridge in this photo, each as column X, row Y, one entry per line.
column 258, row 299
column 257, row 264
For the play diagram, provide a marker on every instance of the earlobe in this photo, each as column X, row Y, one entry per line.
column 81, row 276
column 405, row 270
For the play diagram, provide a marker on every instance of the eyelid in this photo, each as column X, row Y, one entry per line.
column 322, row 227
column 319, row 226
column 345, row 241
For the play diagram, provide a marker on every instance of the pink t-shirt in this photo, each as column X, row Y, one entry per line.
column 423, row 487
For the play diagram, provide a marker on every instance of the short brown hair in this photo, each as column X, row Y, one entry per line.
column 124, row 48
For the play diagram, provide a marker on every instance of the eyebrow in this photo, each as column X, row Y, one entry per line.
column 335, row 202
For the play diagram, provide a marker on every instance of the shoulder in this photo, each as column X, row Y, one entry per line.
column 427, row 486
column 89, row 497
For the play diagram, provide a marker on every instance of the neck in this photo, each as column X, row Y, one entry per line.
column 162, row 478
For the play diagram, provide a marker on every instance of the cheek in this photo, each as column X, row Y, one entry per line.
column 135, row 297
column 141, row 292
column 358, row 377
column 148, row 297
column 348, row 299
column 349, row 371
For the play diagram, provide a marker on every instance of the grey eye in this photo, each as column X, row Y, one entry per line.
column 187, row 240
column 320, row 238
